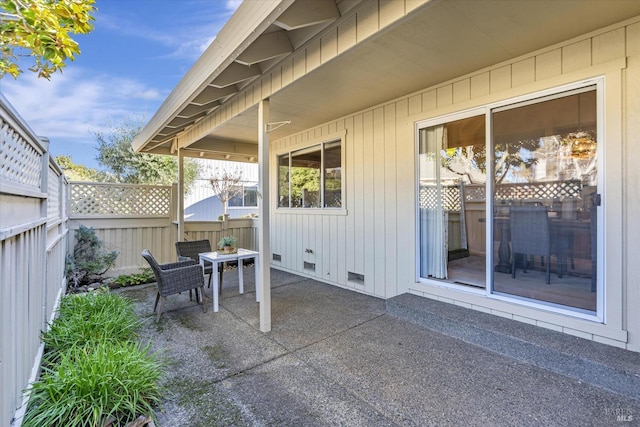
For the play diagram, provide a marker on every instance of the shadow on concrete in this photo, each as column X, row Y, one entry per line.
column 337, row 357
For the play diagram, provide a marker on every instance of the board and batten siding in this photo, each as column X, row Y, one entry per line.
column 364, row 239
column 377, row 235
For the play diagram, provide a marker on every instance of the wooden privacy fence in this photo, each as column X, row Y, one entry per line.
column 38, row 208
column 128, row 218
column 33, row 242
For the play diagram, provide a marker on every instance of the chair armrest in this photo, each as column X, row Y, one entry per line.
column 172, row 265
column 180, row 279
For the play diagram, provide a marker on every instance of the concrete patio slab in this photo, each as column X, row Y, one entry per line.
column 336, row 357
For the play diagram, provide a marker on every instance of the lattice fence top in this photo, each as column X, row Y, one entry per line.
column 450, row 197
column 554, row 190
column 20, row 162
column 120, row 199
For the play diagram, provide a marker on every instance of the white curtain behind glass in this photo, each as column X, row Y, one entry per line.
column 433, row 217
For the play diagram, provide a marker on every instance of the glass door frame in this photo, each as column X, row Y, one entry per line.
column 459, row 115
column 487, row 110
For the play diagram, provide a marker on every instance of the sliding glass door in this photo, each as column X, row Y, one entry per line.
column 452, row 171
column 525, row 174
column 545, row 199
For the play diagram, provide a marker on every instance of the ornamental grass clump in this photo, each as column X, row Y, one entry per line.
column 95, row 383
column 89, row 318
column 94, row 371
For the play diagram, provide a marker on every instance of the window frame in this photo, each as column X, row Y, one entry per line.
column 488, row 109
column 244, row 205
column 320, row 143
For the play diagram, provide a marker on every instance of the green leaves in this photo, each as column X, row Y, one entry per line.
column 42, row 29
column 90, row 318
column 92, row 383
column 94, row 370
column 116, row 154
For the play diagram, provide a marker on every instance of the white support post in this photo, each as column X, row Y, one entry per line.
column 263, row 268
column 180, row 194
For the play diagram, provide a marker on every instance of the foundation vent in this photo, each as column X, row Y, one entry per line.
column 309, row 266
column 277, row 257
column 355, row 277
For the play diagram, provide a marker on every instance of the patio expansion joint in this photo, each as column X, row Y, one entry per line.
column 295, row 352
column 582, row 369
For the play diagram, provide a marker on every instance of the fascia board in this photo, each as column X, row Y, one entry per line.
column 249, row 21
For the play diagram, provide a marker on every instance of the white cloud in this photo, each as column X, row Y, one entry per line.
column 76, row 103
column 232, row 5
column 193, row 26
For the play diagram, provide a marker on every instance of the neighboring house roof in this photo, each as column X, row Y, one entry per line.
column 322, row 59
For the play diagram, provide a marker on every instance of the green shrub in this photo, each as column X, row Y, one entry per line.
column 89, row 318
column 92, row 383
column 146, row 276
column 89, row 257
column 93, row 368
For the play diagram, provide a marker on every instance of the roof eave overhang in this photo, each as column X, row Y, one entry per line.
column 249, row 21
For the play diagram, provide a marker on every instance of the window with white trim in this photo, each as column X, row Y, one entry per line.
column 311, row 177
column 245, row 198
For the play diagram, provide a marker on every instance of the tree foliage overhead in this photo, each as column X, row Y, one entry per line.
column 77, row 172
column 124, row 165
column 42, row 28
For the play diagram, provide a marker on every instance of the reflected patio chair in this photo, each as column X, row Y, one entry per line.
column 530, row 236
column 174, row 278
column 190, row 250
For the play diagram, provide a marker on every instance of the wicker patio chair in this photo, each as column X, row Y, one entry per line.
column 190, row 250
column 173, row 278
column 530, row 235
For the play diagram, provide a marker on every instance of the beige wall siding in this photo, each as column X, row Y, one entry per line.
column 365, row 240
column 377, row 235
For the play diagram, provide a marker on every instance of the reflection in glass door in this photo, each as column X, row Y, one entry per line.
column 545, row 199
column 451, row 201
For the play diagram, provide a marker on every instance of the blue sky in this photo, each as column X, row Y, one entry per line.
column 136, row 54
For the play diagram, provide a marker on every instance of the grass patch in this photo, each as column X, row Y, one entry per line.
column 90, row 318
column 90, row 384
column 94, row 370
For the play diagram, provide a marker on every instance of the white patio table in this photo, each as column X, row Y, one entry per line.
column 218, row 257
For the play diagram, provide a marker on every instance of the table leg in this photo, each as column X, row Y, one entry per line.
column 256, row 266
column 240, row 276
column 216, row 286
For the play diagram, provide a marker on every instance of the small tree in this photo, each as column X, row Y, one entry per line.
column 122, row 164
column 77, row 172
column 41, row 27
column 89, row 258
column 226, row 184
